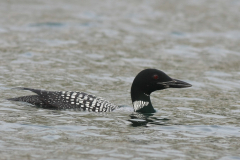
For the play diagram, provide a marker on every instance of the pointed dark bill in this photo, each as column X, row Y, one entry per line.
column 175, row 84
column 178, row 84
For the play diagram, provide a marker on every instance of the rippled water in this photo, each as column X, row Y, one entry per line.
column 99, row 47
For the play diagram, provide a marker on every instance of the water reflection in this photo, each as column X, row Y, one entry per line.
column 142, row 119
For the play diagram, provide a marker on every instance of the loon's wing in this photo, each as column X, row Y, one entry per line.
column 43, row 98
column 33, row 99
column 67, row 100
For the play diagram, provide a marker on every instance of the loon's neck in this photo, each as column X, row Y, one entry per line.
column 141, row 101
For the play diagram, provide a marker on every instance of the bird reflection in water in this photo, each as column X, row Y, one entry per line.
column 146, row 119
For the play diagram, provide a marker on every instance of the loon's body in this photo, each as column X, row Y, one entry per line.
column 146, row 82
column 66, row 100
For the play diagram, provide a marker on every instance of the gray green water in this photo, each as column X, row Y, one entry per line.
column 98, row 47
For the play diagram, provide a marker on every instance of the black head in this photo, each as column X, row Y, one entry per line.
column 150, row 80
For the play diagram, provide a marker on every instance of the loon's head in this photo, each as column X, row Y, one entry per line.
column 148, row 81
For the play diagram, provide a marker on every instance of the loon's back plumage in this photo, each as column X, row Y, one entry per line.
column 66, row 100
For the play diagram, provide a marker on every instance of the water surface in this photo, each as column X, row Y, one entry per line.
column 99, row 47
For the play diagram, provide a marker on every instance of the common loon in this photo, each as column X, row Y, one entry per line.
column 146, row 82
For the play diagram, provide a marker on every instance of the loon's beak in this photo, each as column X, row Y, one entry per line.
column 175, row 84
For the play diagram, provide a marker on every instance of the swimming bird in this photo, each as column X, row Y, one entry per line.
column 146, row 82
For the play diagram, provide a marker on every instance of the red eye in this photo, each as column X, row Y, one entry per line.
column 155, row 77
